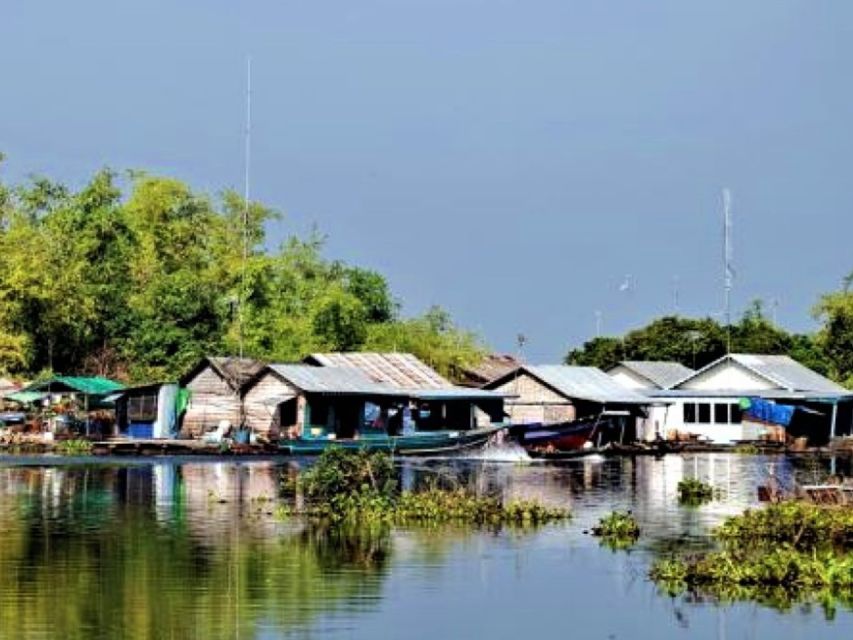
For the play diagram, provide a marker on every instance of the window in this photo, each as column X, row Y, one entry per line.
column 721, row 413
column 737, row 413
column 689, row 412
column 704, row 411
column 142, row 408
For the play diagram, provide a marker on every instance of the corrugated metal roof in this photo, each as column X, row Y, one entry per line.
column 333, row 380
column 585, row 383
column 459, row 393
column 662, row 373
column 490, row 368
column 781, row 370
column 401, row 370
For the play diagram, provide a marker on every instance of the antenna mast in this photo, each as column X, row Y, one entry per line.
column 728, row 271
column 248, row 133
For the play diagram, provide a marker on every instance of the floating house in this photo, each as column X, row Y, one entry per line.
column 709, row 403
column 309, row 401
column 645, row 375
column 215, row 387
column 551, row 394
column 448, row 404
column 148, row 411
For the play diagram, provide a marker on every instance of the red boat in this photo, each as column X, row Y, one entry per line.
column 563, row 436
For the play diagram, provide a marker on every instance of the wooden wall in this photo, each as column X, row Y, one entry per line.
column 261, row 416
column 535, row 402
column 211, row 400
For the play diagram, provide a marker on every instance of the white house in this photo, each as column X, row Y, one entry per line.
column 706, row 403
column 648, row 374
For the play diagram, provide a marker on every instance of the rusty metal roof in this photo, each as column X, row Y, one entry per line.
column 400, row 370
column 333, row 380
column 491, row 367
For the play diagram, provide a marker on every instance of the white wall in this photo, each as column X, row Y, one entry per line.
column 671, row 418
column 728, row 376
column 629, row 379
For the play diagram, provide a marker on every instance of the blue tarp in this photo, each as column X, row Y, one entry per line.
column 768, row 411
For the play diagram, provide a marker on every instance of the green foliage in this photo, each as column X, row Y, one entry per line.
column 693, row 491
column 835, row 311
column 799, row 524
column 140, row 284
column 618, row 530
column 345, row 487
column 784, row 553
column 73, row 447
column 433, row 338
column 697, row 342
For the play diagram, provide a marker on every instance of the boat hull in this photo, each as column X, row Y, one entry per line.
column 419, row 444
column 563, row 436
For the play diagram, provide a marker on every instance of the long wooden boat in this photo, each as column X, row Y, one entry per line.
column 563, row 436
column 416, row 444
column 612, row 449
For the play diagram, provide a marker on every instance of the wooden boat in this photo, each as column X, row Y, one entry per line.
column 416, row 444
column 563, row 436
column 612, row 449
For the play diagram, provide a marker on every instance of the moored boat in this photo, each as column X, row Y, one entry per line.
column 418, row 443
column 563, row 436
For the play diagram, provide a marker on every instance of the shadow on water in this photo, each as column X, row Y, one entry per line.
column 194, row 549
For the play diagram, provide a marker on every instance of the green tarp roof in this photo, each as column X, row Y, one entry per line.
column 25, row 397
column 92, row 386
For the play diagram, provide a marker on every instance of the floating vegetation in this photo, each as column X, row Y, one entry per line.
column 694, row 492
column 747, row 449
column 360, row 486
column 619, row 530
column 798, row 524
column 786, row 553
column 76, row 447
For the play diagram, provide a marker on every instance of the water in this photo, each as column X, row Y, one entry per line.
column 193, row 549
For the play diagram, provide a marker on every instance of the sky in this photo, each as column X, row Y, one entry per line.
column 513, row 161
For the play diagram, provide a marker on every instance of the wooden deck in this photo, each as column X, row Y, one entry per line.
column 159, row 447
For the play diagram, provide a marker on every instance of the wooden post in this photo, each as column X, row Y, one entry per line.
column 834, row 420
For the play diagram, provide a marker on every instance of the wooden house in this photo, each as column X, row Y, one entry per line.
column 216, row 392
column 287, row 401
column 549, row 394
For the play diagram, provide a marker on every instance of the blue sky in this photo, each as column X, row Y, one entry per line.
column 511, row 161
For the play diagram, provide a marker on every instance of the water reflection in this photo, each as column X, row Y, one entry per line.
column 193, row 549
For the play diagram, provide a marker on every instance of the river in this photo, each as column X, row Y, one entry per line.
column 191, row 548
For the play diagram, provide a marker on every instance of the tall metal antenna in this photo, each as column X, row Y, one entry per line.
column 728, row 271
column 675, row 295
column 246, row 199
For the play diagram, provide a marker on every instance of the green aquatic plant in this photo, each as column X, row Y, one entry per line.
column 76, row 447
column 779, row 555
column 798, row 524
column 345, row 485
column 619, row 530
column 747, row 449
column 692, row 491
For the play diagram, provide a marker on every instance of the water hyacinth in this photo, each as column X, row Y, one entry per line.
column 619, row 530
column 360, row 486
column 692, row 491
